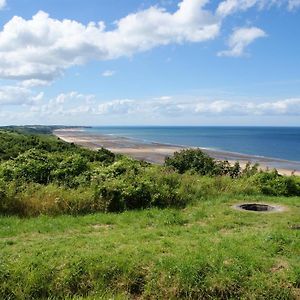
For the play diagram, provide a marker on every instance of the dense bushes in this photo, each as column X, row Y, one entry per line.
column 31, row 166
column 53, row 177
column 74, row 180
column 13, row 144
column 197, row 161
column 145, row 189
column 272, row 183
column 267, row 183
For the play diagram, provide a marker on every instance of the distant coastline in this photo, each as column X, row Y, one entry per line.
column 155, row 152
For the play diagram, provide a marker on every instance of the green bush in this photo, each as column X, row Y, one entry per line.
column 272, row 183
column 31, row 166
column 166, row 186
column 119, row 195
column 141, row 190
column 13, row 143
column 9, row 201
column 104, row 155
column 192, row 160
column 196, row 161
column 69, row 168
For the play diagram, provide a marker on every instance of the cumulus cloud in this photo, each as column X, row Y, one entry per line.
column 285, row 107
column 17, row 95
column 72, row 97
column 280, row 107
column 216, row 107
column 82, row 105
column 293, row 4
column 30, row 83
column 163, row 98
column 42, row 48
column 228, row 7
column 2, row 4
column 65, row 104
column 240, row 39
column 117, row 107
column 220, row 107
column 108, row 73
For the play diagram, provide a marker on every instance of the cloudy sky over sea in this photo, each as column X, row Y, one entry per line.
column 152, row 62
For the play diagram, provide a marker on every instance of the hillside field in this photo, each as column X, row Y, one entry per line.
column 80, row 224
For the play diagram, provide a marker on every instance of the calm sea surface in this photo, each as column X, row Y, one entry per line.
column 277, row 142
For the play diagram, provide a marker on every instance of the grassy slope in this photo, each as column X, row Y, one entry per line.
column 206, row 251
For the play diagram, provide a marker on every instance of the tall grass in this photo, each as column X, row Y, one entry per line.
column 152, row 190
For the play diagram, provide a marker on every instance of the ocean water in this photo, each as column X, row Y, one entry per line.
column 274, row 142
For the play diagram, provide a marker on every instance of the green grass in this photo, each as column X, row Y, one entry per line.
column 205, row 251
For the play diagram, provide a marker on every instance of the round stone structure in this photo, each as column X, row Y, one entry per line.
column 259, row 207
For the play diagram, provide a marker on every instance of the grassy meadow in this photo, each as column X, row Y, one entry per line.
column 78, row 224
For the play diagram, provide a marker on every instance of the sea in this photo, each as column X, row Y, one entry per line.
column 273, row 142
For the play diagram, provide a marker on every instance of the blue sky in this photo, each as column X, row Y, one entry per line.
column 163, row 62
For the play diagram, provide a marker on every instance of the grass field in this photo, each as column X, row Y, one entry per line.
column 206, row 251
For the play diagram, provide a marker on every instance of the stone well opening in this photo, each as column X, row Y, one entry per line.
column 259, row 207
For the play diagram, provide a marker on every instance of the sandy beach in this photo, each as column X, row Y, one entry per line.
column 156, row 152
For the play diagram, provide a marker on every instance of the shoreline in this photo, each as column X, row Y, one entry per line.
column 154, row 152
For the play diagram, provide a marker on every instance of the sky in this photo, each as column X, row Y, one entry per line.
column 151, row 62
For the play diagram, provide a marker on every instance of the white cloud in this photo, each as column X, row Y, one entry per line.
column 30, row 83
column 163, row 98
column 76, row 107
column 280, row 107
column 228, row 7
column 108, row 73
column 117, row 107
column 65, row 104
column 240, row 39
column 205, row 108
column 216, row 107
column 43, row 47
column 293, row 4
column 72, row 97
column 2, row 4
column 79, row 104
column 17, row 95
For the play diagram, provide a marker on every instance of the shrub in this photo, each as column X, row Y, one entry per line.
column 104, row 155
column 9, row 202
column 69, row 168
column 250, row 170
column 145, row 189
column 119, row 195
column 196, row 161
column 165, row 186
column 191, row 160
column 272, row 183
column 31, row 166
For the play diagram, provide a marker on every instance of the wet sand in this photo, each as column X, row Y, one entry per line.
column 156, row 152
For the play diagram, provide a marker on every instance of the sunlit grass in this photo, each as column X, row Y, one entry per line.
column 207, row 251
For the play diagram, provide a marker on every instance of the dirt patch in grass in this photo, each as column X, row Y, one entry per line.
column 102, row 226
column 280, row 266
